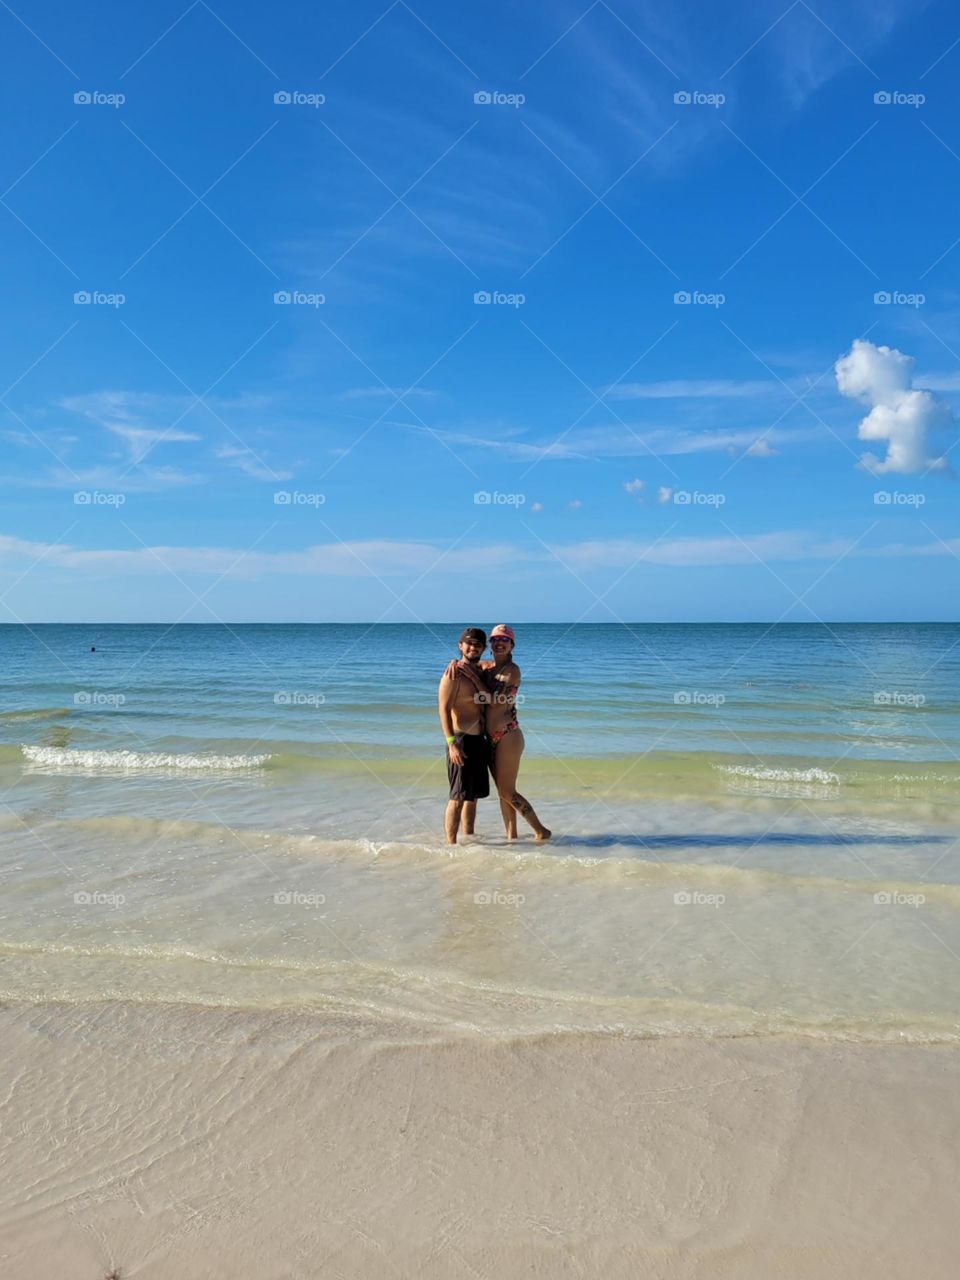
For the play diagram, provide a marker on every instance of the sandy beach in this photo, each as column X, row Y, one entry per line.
column 168, row 1141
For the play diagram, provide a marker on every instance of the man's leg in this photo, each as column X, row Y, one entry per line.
column 451, row 820
column 469, row 817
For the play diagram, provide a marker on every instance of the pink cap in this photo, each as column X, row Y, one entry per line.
column 501, row 629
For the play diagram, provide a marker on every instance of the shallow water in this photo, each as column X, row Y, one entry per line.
column 756, row 828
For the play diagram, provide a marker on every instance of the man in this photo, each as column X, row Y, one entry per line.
column 462, row 721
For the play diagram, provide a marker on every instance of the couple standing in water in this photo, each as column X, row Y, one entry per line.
column 478, row 715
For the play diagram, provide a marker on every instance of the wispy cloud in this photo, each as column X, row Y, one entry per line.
column 124, row 413
column 250, row 463
column 694, row 389
column 389, row 393
column 380, row 557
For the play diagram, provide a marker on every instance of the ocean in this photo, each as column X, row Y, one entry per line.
column 756, row 828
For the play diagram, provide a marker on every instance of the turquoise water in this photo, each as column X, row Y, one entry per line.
column 754, row 827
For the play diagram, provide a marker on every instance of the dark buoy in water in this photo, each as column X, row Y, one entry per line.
column 93, row 648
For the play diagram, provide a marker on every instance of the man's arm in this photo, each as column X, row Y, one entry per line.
column 448, row 684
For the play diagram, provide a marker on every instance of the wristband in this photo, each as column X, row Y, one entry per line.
column 451, row 739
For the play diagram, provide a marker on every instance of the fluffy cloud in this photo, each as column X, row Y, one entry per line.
column 900, row 415
column 634, row 487
column 761, row 449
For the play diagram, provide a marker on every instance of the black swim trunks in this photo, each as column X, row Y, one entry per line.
column 470, row 780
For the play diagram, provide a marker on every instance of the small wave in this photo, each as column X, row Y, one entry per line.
column 763, row 774
column 135, row 761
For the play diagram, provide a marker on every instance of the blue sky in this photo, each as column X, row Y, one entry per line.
column 186, row 447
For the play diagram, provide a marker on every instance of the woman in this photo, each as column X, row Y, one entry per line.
column 502, row 681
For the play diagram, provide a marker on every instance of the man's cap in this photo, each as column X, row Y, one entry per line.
column 501, row 629
column 474, row 633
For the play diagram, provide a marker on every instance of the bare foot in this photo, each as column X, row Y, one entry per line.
column 543, row 836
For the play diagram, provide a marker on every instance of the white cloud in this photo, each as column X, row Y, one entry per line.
column 123, row 413
column 615, row 441
column 664, row 494
column 536, row 506
column 750, row 549
column 635, row 486
column 575, row 505
column 250, row 463
column 900, row 415
column 382, row 558
column 761, row 449
column 692, row 389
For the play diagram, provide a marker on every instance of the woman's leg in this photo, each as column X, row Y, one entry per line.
column 506, row 767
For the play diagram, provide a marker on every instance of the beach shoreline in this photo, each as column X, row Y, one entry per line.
column 171, row 1140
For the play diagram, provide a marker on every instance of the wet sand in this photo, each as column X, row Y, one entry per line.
column 169, row 1141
